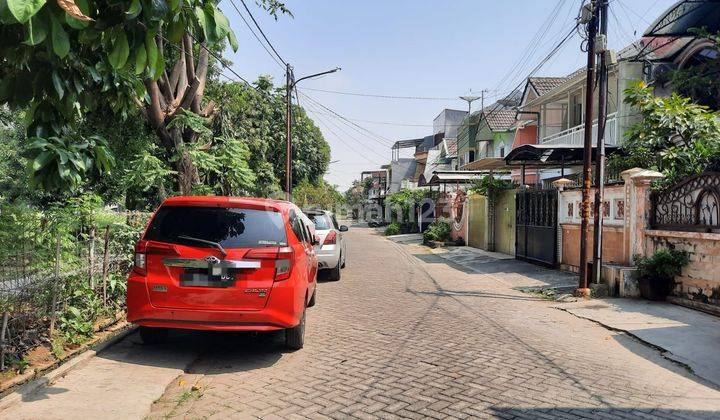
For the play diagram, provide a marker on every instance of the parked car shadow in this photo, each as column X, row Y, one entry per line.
column 184, row 347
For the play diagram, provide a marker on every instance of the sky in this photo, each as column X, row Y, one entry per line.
column 413, row 48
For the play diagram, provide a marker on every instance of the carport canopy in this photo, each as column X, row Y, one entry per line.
column 551, row 155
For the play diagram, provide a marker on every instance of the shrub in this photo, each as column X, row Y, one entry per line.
column 439, row 230
column 663, row 265
column 392, row 229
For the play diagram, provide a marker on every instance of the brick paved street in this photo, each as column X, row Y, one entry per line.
column 401, row 336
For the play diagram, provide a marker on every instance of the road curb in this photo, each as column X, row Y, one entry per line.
column 74, row 362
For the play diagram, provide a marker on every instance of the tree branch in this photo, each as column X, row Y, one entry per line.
column 189, row 60
column 201, row 72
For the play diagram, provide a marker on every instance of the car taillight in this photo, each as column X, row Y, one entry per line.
column 283, row 259
column 331, row 238
column 140, row 265
column 145, row 248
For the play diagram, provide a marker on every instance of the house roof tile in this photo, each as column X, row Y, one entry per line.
column 544, row 85
column 500, row 119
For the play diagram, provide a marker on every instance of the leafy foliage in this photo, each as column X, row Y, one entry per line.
column 663, row 265
column 320, row 196
column 62, row 59
column 439, row 230
column 487, row 184
column 393, row 228
column 676, row 136
column 257, row 118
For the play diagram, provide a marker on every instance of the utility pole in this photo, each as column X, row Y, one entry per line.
column 600, row 149
column 592, row 23
column 290, row 84
column 288, row 132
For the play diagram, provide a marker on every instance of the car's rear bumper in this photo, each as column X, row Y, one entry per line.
column 328, row 256
column 283, row 310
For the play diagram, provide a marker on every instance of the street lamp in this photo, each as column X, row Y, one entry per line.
column 290, row 84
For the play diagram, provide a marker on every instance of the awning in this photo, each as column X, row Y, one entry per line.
column 489, row 164
column 685, row 15
column 455, row 177
column 550, row 154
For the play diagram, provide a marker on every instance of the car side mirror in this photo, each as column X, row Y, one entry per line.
column 343, row 228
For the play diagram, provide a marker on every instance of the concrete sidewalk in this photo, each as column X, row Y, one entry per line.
column 684, row 335
column 119, row 383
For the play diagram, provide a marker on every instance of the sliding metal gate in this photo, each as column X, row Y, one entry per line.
column 536, row 226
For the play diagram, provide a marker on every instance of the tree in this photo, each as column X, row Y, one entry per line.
column 321, row 195
column 675, row 136
column 62, row 58
column 257, row 116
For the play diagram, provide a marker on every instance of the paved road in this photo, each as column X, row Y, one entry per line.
column 403, row 334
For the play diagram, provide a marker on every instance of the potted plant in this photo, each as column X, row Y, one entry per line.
column 656, row 273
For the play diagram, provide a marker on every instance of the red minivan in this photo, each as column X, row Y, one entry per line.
column 223, row 264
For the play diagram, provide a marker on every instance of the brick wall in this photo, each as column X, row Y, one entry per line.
column 700, row 280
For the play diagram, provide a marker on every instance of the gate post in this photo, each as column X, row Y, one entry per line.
column 637, row 212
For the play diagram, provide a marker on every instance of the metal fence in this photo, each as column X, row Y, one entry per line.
column 58, row 279
column 691, row 205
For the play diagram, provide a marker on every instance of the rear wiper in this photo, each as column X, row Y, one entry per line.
column 203, row 241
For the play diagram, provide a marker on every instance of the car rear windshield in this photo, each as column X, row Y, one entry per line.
column 322, row 221
column 230, row 227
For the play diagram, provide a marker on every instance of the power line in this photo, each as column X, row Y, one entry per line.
column 539, row 66
column 259, row 28
column 354, row 125
column 340, row 138
column 371, row 95
column 279, row 62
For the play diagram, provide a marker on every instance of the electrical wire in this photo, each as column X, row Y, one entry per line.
column 278, row 61
column 370, row 95
column 353, row 125
column 259, row 28
column 341, row 140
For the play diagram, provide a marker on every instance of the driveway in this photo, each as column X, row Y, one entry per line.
column 404, row 335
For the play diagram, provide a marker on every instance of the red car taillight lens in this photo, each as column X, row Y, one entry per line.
column 331, row 238
column 145, row 248
column 140, row 265
column 283, row 257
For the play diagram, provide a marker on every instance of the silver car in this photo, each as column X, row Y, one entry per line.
column 330, row 250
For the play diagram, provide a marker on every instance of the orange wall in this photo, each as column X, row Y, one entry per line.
column 612, row 249
column 525, row 135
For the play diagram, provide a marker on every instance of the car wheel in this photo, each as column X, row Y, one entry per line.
column 335, row 273
column 295, row 336
column 343, row 261
column 150, row 335
column 312, row 299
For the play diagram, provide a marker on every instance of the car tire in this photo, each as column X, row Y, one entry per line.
column 295, row 336
column 150, row 335
column 311, row 303
column 335, row 273
column 343, row 261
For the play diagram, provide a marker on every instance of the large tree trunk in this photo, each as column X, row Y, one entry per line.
column 183, row 88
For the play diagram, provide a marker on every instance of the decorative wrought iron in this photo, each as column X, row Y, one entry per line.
column 536, row 207
column 691, row 205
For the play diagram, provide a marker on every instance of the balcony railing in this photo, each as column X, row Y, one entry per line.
column 575, row 136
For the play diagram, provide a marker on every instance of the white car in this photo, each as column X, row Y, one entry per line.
column 330, row 250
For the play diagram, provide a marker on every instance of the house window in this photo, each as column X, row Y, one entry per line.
column 501, row 149
column 471, row 156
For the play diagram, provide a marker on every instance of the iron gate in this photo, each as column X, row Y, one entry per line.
column 536, row 226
